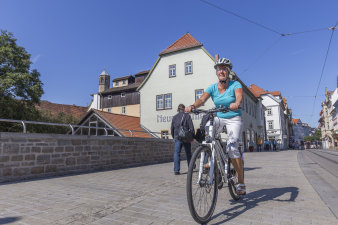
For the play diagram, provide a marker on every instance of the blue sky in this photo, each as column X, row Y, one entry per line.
column 72, row 41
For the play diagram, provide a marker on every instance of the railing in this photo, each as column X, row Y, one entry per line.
column 71, row 126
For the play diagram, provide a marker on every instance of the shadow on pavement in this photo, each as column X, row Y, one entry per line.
column 9, row 220
column 252, row 200
column 251, row 168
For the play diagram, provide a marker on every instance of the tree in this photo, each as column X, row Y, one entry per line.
column 316, row 137
column 20, row 86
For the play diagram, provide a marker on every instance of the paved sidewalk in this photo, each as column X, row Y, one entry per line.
column 278, row 193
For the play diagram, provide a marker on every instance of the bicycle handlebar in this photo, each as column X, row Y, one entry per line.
column 213, row 110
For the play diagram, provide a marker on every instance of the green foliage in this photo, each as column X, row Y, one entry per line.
column 60, row 118
column 316, row 137
column 20, row 87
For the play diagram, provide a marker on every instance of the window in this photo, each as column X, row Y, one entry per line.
column 124, row 82
column 246, row 105
column 123, row 94
column 188, row 67
column 109, row 97
column 270, row 124
column 164, row 134
column 198, row 93
column 109, row 110
column 269, row 111
column 167, row 100
column 172, row 70
column 116, row 83
column 159, row 102
column 163, row 101
column 123, row 110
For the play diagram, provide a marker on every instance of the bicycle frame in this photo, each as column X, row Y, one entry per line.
column 216, row 148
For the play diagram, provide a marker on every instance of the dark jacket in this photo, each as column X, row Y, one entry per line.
column 176, row 123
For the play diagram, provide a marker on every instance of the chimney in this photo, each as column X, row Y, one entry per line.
column 217, row 57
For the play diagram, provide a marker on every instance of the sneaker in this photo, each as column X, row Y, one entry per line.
column 177, row 173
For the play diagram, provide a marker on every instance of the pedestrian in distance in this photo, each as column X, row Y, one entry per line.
column 184, row 119
column 259, row 143
column 267, row 145
column 274, row 145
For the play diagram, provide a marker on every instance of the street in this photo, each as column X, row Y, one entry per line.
column 321, row 169
column 277, row 193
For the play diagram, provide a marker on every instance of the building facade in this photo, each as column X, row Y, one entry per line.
column 326, row 123
column 298, row 130
column 122, row 98
column 276, row 116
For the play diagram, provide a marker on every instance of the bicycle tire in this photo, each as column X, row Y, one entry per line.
column 197, row 216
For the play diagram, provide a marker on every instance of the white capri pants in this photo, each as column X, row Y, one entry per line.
column 233, row 126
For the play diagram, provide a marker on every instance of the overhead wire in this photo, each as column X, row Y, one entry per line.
column 261, row 55
column 241, row 17
column 321, row 75
column 282, row 35
column 307, row 31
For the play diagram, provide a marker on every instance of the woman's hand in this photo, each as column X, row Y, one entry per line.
column 234, row 106
column 189, row 108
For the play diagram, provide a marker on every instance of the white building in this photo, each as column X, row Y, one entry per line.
column 326, row 122
column 180, row 75
column 275, row 117
column 333, row 113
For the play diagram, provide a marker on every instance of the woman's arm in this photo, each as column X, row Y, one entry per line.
column 239, row 96
column 198, row 103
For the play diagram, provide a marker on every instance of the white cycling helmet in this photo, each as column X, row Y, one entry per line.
column 223, row 61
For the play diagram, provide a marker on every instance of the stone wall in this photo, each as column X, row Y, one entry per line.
column 25, row 156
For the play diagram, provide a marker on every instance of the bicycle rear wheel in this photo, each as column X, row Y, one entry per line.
column 201, row 195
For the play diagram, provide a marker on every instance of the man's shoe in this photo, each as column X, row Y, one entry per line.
column 177, row 173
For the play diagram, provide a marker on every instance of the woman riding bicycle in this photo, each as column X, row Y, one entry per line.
column 227, row 93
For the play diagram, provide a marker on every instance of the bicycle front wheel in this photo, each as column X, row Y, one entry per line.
column 201, row 195
column 233, row 180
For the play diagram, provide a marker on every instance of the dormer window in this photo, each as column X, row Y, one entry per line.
column 116, row 83
column 124, row 82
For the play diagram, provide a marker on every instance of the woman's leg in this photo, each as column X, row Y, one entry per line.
column 234, row 126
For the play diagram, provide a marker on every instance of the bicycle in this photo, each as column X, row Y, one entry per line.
column 208, row 181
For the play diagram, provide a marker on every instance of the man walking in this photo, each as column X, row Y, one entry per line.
column 259, row 143
column 179, row 119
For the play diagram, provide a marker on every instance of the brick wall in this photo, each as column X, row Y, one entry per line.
column 25, row 156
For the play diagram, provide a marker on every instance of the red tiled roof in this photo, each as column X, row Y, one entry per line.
column 184, row 42
column 73, row 110
column 295, row 120
column 142, row 72
column 275, row 93
column 124, row 122
column 258, row 91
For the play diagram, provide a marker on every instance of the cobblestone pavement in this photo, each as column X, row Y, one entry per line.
column 278, row 193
